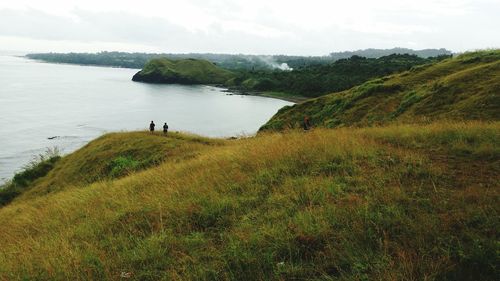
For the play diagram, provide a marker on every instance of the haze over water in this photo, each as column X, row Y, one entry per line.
column 80, row 103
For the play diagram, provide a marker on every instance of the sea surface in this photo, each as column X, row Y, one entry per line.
column 46, row 106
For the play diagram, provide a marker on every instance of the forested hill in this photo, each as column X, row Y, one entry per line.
column 317, row 80
column 461, row 88
column 228, row 61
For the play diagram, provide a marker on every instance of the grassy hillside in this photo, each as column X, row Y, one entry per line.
column 463, row 88
column 116, row 155
column 391, row 203
column 184, row 71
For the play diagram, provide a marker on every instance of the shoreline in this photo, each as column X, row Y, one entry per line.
column 267, row 94
column 231, row 91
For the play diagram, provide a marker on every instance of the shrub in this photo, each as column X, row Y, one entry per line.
column 37, row 168
column 123, row 165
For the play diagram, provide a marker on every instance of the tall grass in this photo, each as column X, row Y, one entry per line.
column 116, row 155
column 388, row 203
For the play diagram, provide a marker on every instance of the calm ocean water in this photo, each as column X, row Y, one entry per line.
column 79, row 103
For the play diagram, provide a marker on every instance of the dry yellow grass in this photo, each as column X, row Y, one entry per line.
column 390, row 203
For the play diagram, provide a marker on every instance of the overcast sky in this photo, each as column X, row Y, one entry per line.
column 310, row 27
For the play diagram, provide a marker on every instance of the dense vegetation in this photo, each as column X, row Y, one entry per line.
column 187, row 71
column 462, row 88
column 23, row 180
column 317, row 80
column 391, row 203
column 228, row 61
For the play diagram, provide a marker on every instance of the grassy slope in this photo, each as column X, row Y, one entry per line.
column 392, row 203
column 462, row 88
column 185, row 71
column 115, row 155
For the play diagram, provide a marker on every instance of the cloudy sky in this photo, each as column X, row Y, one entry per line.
column 310, row 27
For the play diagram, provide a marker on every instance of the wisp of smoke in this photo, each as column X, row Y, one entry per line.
column 273, row 64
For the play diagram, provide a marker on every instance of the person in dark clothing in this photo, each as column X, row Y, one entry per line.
column 165, row 128
column 152, row 127
column 307, row 123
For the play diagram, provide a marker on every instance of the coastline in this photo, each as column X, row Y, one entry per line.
column 79, row 64
column 267, row 94
column 230, row 91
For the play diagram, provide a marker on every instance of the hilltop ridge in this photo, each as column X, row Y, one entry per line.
column 466, row 87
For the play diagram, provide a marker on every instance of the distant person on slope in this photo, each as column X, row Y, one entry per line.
column 165, row 128
column 307, row 123
column 152, row 127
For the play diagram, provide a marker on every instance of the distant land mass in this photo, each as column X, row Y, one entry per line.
column 228, row 61
column 377, row 53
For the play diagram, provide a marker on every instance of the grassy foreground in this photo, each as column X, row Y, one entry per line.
column 391, row 203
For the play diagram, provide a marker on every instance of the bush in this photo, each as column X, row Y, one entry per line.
column 37, row 168
column 409, row 99
column 123, row 165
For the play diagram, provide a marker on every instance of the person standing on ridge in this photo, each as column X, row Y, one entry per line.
column 165, row 128
column 307, row 123
column 152, row 127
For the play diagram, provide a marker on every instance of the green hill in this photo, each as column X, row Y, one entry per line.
column 392, row 203
column 184, row 71
column 116, row 155
column 466, row 87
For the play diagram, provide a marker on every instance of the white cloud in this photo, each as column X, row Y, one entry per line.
column 258, row 26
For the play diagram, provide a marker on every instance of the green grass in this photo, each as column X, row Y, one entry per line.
column 462, row 88
column 400, row 202
column 185, row 71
